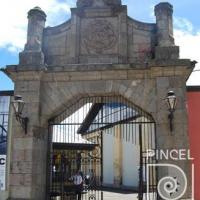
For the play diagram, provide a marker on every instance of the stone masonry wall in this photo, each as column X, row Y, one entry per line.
column 105, row 46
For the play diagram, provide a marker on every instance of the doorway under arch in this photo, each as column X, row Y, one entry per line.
column 103, row 141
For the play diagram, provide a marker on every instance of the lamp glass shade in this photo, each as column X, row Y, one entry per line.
column 171, row 101
column 18, row 105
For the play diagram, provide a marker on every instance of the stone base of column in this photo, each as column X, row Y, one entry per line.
column 167, row 53
column 31, row 58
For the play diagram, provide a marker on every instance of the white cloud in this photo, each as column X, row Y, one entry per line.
column 183, row 24
column 189, row 44
column 189, row 41
column 13, row 15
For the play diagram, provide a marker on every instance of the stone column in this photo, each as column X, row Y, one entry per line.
column 74, row 36
column 163, row 13
column 165, row 41
column 32, row 54
column 123, row 35
column 178, row 138
column 29, row 151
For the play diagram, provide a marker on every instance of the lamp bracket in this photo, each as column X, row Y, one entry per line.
column 23, row 122
column 171, row 117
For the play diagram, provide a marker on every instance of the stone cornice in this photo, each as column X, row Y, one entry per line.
column 101, row 67
column 80, row 72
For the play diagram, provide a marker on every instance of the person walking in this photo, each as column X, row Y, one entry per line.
column 78, row 183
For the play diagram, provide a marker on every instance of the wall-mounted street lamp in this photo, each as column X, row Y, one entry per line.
column 171, row 100
column 18, row 105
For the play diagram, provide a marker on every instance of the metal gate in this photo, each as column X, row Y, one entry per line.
column 101, row 144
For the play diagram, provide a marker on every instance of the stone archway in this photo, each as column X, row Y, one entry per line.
column 142, row 87
column 138, row 91
column 57, row 65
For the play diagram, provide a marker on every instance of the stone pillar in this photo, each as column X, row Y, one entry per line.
column 29, row 151
column 123, row 35
column 165, row 48
column 74, row 36
column 32, row 53
column 178, row 138
column 164, row 23
column 36, row 24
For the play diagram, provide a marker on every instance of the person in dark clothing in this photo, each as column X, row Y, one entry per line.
column 78, row 182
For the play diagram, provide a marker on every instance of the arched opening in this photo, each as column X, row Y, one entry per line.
column 98, row 150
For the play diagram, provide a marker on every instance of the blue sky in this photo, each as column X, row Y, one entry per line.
column 13, row 29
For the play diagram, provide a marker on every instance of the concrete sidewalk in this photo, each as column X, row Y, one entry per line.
column 119, row 196
column 111, row 195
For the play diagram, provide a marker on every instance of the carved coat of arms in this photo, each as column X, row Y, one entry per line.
column 99, row 36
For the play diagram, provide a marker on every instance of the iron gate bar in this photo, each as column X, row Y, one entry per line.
column 140, row 195
column 107, row 125
column 94, row 110
column 3, row 129
column 73, row 146
column 49, row 163
column 78, row 124
column 96, row 99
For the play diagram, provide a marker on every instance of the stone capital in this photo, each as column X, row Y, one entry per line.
column 163, row 7
column 37, row 11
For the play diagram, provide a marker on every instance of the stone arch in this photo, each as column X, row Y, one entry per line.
column 57, row 96
column 110, row 97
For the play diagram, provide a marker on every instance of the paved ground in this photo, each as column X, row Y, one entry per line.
column 125, row 196
column 108, row 195
column 119, row 196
